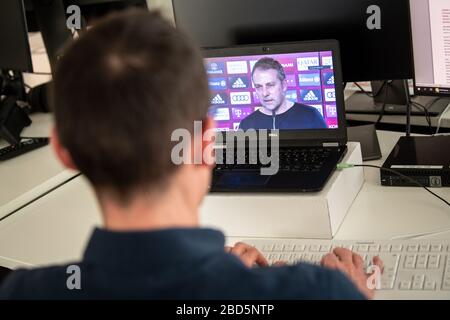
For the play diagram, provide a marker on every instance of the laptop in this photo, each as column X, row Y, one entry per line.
column 279, row 114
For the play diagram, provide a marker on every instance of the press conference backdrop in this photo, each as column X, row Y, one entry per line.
column 309, row 76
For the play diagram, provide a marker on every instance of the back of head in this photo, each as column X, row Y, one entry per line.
column 119, row 92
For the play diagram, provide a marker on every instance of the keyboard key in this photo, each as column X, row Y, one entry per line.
column 413, row 248
column 385, row 248
column 278, row 247
column 433, row 261
column 429, row 285
column 422, row 260
column 387, row 284
column 325, row 248
column 314, row 248
column 410, row 261
column 284, row 257
column 418, row 281
column 405, row 285
column 267, row 247
column 396, row 248
column 424, row 248
column 436, row 248
column 299, row 247
column 374, row 248
column 289, row 247
column 362, row 248
column 446, row 285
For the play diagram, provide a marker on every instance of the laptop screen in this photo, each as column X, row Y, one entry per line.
column 289, row 91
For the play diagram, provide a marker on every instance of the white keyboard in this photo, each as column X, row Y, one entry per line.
column 412, row 269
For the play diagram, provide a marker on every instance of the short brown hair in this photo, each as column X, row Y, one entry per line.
column 119, row 92
column 268, row 63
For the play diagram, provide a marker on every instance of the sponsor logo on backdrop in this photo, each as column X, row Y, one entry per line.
column 311, row 95
column 328, row 78
column 290, row 80
column 236, row 125
column 241, row 113
column 236, row 67
column 219, row 98
column 288, row 65
column 291, row 95
column 309, row 79
column 215, row 68
column 238, row 82
column 304, row 64
column 217, row 83
column 327, row 62
column 331, row 111
column 240, row 98
column 330, row 95
column 221, row 114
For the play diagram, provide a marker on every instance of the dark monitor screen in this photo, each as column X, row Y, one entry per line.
column 367, row 54
column 430, row 20
column 14, row 47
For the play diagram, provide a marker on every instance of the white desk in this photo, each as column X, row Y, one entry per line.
column 55, row 228
column 25, row 178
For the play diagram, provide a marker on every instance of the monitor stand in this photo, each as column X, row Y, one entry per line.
column 395, row 101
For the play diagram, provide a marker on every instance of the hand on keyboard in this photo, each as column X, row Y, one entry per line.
column 249, row 255
column 352, row 265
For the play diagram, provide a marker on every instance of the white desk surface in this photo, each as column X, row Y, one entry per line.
column 55, row 227
column 27, row 177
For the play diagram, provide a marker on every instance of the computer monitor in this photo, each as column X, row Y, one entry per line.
column 15, row 49
column 430, row 21
column 367, row 53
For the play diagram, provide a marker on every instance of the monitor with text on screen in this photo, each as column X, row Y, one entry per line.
column 286, row 91
column 431, row 42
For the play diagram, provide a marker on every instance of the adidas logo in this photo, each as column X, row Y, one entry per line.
column 331, row 80
column 310, row 96
column 217, row 100
column 239, row 84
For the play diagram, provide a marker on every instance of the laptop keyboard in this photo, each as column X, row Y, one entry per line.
column 291, row 159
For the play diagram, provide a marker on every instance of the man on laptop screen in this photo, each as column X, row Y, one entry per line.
column 277, row 112
column 287, row 91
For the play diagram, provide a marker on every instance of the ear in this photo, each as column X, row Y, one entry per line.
column 61, row 152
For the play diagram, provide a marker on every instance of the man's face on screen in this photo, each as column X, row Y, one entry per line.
column 269, row 88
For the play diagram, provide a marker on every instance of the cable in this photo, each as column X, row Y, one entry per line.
column 427, row 115
column 383, row 108
column 440, row 118
column 371, row 95
column 347, row 165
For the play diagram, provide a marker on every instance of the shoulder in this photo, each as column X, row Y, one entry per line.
column 248, row 121
column 40, row 283
column 305, row 109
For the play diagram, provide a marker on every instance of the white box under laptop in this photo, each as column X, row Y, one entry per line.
column 288, row 215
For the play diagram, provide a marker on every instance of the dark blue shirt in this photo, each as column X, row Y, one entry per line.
column 174, row 264
column 299, row 116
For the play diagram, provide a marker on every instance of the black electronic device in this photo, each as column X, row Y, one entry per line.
column 425, row 159
column 22, row 147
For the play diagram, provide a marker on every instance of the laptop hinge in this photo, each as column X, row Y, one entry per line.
column 330, row 144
